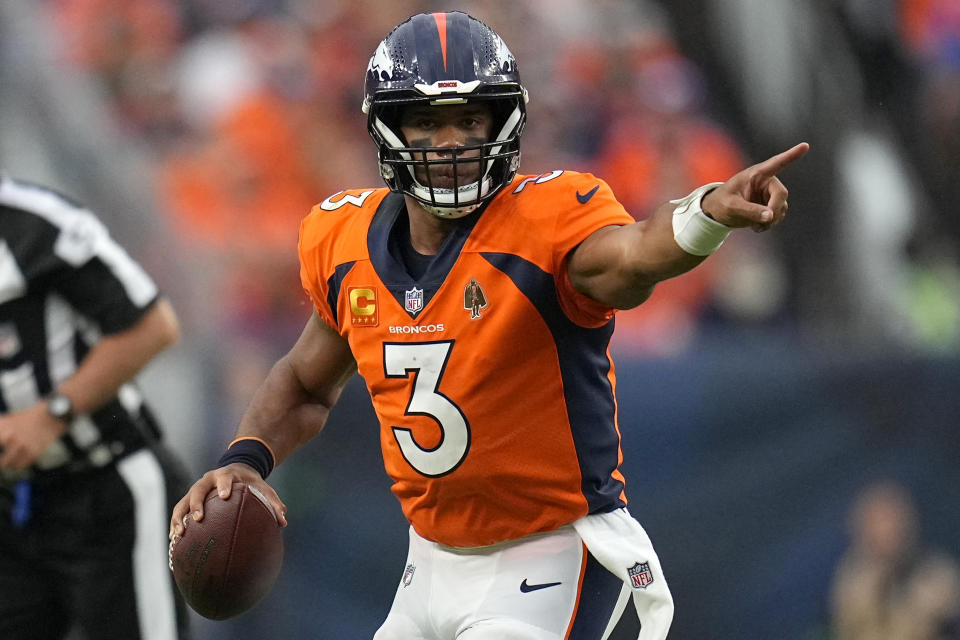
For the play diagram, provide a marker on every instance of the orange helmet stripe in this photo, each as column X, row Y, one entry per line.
column 441, row 19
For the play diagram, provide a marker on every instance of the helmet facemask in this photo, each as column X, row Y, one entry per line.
column 473, row 173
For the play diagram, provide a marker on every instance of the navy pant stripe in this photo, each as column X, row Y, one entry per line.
column 598, row 599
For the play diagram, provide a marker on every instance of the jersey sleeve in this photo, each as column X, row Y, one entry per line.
column 592, row 207
column 63, row 247
column 312, row 272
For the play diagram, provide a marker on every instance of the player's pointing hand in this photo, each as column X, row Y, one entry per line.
column 755, row 197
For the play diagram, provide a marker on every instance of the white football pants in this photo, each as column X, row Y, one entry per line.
column 570, row 584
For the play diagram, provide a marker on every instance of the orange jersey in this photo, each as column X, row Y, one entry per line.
column 490, row 375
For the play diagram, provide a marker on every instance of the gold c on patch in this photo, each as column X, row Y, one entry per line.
column 363, row 306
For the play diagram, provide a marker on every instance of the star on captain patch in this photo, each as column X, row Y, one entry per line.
column 474, row 299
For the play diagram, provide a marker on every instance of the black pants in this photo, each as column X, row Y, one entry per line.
column 92, row 557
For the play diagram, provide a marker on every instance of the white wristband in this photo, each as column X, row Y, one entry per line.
column 694, row 231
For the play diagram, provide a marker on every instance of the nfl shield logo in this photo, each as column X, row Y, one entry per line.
column 408, row 575
column 640, row 575
column 413, row 300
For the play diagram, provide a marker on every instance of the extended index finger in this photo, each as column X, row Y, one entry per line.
column 774, row 165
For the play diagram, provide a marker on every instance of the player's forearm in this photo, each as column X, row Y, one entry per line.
column 283, row 413
column 292, row 404
column 117, row 358
column 620, row 266
column 655, row 256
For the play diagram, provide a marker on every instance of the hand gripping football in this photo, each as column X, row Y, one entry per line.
column 228, row 562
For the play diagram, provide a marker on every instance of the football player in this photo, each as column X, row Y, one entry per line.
column 477, row 305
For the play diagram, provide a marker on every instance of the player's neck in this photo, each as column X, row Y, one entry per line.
column 427, row 231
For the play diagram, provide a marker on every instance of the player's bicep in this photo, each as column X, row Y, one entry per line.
column 321, row 360
column 620, row 266
column 601, row 267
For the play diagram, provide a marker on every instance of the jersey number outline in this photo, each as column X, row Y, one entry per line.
column 356, row 200
column 427, row 361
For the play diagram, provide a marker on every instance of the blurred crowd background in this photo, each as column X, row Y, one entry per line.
column 762, row 394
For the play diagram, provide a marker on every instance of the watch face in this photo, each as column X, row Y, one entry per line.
column 60, row 406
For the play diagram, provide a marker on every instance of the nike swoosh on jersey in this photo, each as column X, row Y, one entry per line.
column 585, row 198
column 527, row 588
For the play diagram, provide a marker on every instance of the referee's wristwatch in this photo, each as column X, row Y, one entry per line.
column 60, row 407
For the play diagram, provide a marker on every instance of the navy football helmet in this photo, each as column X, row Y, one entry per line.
column 442, row 59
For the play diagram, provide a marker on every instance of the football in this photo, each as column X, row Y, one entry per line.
column 226, row 563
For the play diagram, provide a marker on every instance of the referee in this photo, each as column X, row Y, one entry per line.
column 84, row 481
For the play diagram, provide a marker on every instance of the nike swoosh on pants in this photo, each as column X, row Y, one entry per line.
column 527, row 588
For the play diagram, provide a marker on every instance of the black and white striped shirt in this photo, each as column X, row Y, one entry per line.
column 64, row 283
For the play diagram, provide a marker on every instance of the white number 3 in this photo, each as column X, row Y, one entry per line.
column 427, row 361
